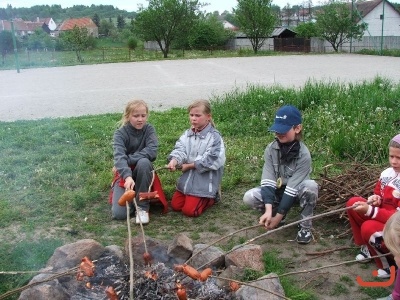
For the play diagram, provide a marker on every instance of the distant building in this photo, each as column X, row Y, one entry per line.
column 24, row 28
column 88, row 23
column 229, row 26
column 377, row 13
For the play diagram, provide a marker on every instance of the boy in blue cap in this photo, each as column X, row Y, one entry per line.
column 285, row 176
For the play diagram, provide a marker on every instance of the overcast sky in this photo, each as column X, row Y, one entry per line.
column 132, row 5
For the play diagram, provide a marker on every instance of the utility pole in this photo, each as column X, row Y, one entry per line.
column 15, row 46
column 383, row 17
column 352, row 20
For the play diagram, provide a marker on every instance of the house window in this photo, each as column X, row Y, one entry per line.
column 381, row 17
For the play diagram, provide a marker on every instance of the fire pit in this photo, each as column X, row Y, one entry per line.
column 108, row 275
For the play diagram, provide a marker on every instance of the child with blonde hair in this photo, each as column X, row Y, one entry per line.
column 391, row 236
column 368, row 217
column 135, row 147
column 200, row 154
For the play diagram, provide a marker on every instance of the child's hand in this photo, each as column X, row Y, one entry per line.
column 265, row 219
column 187, row 167
column 375, row 200
column 172, row 164
column 129, row 183
column 361, row 207
column 275, row 221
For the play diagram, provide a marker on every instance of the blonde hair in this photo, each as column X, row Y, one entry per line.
column 129, row 108
column 206, row 108
column 391, row 234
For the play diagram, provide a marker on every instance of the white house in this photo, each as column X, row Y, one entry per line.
column 381, row 17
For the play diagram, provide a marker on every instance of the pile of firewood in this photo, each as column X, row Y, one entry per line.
column 338, row 183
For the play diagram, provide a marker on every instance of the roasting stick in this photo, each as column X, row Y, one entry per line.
column 271, row 231
column 251, row 285
column 127, row 197
column 130, row 251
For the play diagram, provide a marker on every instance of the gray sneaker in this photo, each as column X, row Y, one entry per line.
column 304, row 236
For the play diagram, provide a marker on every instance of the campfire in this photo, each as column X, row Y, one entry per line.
column 109, row 276
column 154, row 271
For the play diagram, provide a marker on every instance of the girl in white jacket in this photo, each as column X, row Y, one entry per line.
column 200, row 154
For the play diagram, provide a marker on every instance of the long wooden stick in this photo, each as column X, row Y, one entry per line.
column 141, row 226
column 252, row 285
column 130, row 251
column 221, row 239
column 323, row 267
column 281, row 228
column 329, row 251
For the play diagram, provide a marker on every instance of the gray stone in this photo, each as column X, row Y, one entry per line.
column 181, row 247
column 49, row 290
column 231, row 272
column 266, row 287
column 70, row 255
column 212, row 257
column 248, row 256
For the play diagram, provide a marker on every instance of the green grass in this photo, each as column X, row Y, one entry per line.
column 384, row 52
column 104, row 53
column 273, row 264
column 55, row 173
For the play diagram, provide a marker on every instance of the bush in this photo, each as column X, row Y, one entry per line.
column 132, row 43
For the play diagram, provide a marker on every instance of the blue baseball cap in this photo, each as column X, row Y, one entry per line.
column 286, row 117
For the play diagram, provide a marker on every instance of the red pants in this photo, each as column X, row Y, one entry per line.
column 190, row 206
column 368, row 232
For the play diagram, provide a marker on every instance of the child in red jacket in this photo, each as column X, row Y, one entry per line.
column 368, row 218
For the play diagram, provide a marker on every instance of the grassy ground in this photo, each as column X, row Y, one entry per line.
column 55, row 173
column 39, row 59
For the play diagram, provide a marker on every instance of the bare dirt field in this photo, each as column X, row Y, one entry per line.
column 105, row 88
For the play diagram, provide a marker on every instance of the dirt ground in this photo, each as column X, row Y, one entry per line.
column 329, row 278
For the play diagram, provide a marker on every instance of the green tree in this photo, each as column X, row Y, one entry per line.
column 106, row 28
column 208, row 33
column 336, row 24
column 6, row 43
column 96, row 19
column 77, row 40
column 39, row 40
column 307, row 30
column 120, row 22
column 163, row 20
column 256, row 19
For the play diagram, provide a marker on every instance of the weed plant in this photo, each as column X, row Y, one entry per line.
column 55, row 173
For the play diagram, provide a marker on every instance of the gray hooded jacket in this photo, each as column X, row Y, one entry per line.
column 206, row 149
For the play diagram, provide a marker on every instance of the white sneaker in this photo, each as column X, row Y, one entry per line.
column 390, row 297
column 143, row 215
column 384, row 273
column 364, row 256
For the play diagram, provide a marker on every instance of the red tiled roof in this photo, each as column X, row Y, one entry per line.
column 20, row 25
column 82, row 22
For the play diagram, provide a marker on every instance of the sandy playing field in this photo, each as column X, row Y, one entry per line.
column 105, row 88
